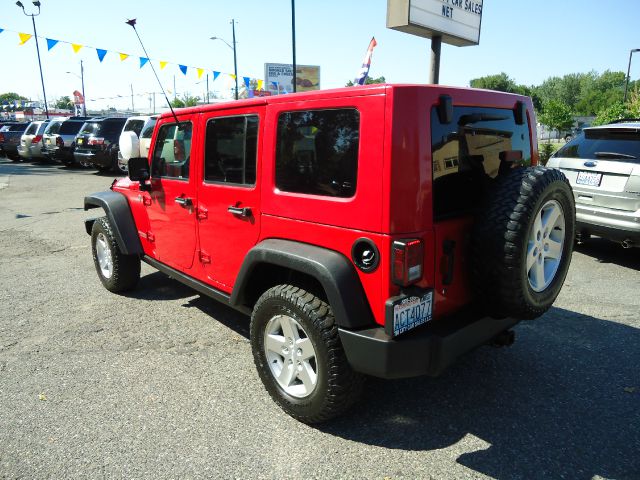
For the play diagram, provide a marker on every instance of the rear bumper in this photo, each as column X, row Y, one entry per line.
column 426, row 351
column 59, row 154
column 101, row 159
column 612, row 224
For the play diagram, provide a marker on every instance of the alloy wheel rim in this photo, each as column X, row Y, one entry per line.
column 291, row 356
column 545, row 245
column 103, row 254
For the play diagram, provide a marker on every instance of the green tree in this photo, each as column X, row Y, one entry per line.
column 368, row 81
column 64, row 103
column 556, row 115
column 500, row 82
column 11, row 97
column 186, row 101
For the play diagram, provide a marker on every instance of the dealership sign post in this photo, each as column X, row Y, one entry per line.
column 456, row 22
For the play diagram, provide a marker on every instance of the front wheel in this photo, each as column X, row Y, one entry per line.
column 299, row 357
column 117, row 272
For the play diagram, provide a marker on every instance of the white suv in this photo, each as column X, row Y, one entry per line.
column 603, row 165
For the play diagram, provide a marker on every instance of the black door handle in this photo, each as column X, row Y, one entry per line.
column 183, row 201
column 240, row 211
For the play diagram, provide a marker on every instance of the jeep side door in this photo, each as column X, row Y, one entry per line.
column 171, row 201
column 229, row 195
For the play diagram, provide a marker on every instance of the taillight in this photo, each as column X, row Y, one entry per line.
column 59, row 142
column 1, row 137
column 407, row 258
column 36, row 139
column 95, row 141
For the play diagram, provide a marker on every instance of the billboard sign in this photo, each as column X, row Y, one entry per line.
column 456, row 21
column 279, row 78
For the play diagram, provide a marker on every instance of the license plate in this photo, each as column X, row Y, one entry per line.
column 79, row 141
column 48, row 141
column 589, row 178
column 412, row 312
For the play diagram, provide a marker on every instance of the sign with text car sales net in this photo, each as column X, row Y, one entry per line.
column 456, row 21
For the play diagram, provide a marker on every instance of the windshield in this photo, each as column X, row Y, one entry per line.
column 620, row 144
column 31, row 129
column 21, row 127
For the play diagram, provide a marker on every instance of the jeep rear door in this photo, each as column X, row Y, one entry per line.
column 171, row 201
column 229, row 196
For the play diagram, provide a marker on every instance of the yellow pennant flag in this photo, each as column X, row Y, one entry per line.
column 76, row 47
column 260, row 82
column 163, row 64
column 123, row 56
column 24, row 37
column 200, row 71
column 232, row 76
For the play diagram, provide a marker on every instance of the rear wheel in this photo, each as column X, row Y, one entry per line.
column 299, row 357
column 523, row 241
column 117, row 272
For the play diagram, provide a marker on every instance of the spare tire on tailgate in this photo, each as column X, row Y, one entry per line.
column 522, row 242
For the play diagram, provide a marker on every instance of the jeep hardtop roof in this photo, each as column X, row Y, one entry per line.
column 344, row 92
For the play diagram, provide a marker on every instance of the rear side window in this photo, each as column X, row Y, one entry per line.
column 317, row 152
column 172, row 152
column 231, row 150
column 619, row 144
column 69, row 128
column 134, row 126
column 470, row 152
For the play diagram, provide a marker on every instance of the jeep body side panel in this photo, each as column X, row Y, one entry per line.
column 118, row 212
column 334, row 271
column 362, row 211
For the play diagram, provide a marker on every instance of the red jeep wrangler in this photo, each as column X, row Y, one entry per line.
column 383, row 230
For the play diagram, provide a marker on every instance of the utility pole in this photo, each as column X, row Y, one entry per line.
column 84, row 98
column 132, row 107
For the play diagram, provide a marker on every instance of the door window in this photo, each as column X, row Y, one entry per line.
column 172, row 152
column 231, row 150
column 317, row 152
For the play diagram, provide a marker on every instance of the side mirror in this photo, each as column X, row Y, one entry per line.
column 129, row 145
column 139, row 171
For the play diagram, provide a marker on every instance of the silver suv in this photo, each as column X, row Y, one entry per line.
column 603, row 165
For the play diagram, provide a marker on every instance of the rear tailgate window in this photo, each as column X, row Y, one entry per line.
column 619, row 144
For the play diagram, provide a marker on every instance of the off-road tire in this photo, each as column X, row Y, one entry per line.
column 126, row 268
column 501, row 238
column 338, row 386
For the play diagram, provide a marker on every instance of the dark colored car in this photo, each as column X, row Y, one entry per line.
column 60, row 139
column 10, row 139
column 97, row 142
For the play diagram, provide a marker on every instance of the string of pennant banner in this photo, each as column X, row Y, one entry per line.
column 142, row 61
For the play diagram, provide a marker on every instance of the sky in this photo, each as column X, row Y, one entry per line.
column 529, row 40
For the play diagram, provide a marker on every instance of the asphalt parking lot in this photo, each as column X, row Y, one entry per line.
column 161, row 384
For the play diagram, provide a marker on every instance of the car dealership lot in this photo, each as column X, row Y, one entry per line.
column 160, row 383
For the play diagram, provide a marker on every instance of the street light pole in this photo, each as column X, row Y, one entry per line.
column 84, row 98
column 293, row 45
column 35, row 34
column 626, row 85
column 235, row 57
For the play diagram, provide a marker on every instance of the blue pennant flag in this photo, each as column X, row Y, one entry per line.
column 247, row 84
column 1, row 30
column 51, row 43
column 143, row 61
column 101, row 53
column 183, row 69
column 215, row 75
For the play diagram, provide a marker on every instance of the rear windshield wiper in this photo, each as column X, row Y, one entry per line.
column 614, row 155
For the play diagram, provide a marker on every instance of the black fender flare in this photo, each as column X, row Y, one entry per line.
column 116, row 206
column 334, row 271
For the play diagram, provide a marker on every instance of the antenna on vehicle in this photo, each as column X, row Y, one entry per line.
column 132, row 22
